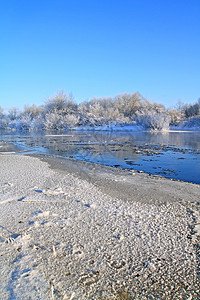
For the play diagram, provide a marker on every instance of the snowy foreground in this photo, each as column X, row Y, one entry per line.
column 63, row 236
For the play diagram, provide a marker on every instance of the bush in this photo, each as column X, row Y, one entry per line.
column 154, row 121
column 3, row 122
column 58, row 121
column 22, row 123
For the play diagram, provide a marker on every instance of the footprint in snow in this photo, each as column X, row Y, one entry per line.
column 91, row 278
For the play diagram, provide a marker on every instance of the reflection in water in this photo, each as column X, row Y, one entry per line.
column 173, row 154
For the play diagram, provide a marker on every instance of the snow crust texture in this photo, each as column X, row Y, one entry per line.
column 63, row 238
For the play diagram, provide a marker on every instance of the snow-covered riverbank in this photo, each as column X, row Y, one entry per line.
column 75, row 230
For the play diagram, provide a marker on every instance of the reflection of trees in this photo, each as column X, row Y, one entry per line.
column 109, row 145
column 124, row 149
column 189, row 140
column 118, row 145
column 105, row 141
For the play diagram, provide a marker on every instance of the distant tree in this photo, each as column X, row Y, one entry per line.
column 177, row 112
column 12, row 113
column 83, row 108
column 3, row 119
column 157, row 108
column 96, row 110
column 32, row 110
column 61, row 103
column 180, row 105
column 192, row 110
column 1, row 111
column 113, row 114
column 128, row 104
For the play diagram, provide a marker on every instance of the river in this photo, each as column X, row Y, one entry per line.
column 172, row 154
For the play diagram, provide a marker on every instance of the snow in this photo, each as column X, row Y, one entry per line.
column 111, row 127
column 62, row 237
column 192, row 124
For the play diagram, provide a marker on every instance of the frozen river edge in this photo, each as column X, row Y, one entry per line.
column 76, row 230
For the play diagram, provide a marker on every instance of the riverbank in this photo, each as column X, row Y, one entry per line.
column 78, row 230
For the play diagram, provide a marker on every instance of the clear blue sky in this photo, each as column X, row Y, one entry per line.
column 96, row 48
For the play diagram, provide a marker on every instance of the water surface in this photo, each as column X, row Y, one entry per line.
column 174, row 155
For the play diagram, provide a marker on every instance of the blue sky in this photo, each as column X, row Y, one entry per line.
column 96, row 48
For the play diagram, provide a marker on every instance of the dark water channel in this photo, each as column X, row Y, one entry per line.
column 174, row 155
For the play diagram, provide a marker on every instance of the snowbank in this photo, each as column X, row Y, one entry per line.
column 192, row 124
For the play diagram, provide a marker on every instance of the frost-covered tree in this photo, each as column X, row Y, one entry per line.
column 177, row 113
column 128, row 104
column 83, row 108
column 33, row 110
column 23, row 122
column 192, row 110
column 153, row 116
column 61, row 103
column 154, row 121
column 1, row 111
column 13, row 113
column 96, row 110
column 56, row 121
column 3, row 119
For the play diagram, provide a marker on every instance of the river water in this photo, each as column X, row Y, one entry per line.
column 173, row 155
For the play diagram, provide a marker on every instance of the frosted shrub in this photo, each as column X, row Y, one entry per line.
column 52, row 121
column 3, row 119
column 95, row 121
column 96, row 110
column 21, row 123
column 154, row 121
column 176, row 115
column 11, row 124
column 33, row 110
column 113, row 114
column 128, row 104
column 1, row 111
column 26, row 122
column 12, row 113
column 61, row 103
column 69, row 121
column 3, row 122
column 58, row 121
column 37, row 123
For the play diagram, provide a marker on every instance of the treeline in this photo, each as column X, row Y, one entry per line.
column 62, row 112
